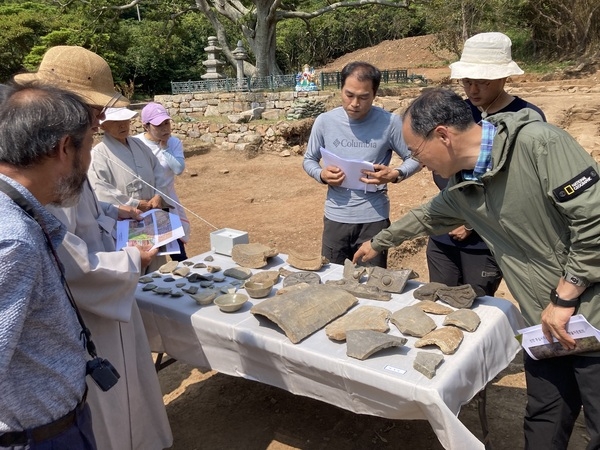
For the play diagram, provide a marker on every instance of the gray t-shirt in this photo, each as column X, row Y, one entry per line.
column 371, row 139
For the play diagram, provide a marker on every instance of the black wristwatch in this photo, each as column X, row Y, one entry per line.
column 556, row 300
column 400, row 176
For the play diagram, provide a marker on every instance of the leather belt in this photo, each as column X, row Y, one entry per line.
column 44, row 432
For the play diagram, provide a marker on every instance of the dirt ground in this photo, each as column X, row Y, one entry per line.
column 272, row 198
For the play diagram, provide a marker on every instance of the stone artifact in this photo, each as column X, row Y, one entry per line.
column 176, row 294
column 199, row 266
column 207, row 283
column 162, row 290
column 156, row 275
column 182, row 271
column 190, row 289
column 267, row 275
column 363, row 343
column 292, row 288
column 363, row 318
column 412, row 321
column 457, row 296
column 145, row 279
column 228, row 289
column 180, row 284
column 168, row 267
column 188, row 263
column 301, row 277
column 168, row 279
column 306, row 262
column 427, row 363
column 149, row 287
column 213, row 269
column 253, row 256
column 388, row 280
column 427, row 291
column 239, row 273
column 218, row 278
column 446, row 338
column 205, row 297
column 361, row 290
column 353, row 271
column 463, row 318
column 209, row 258
column 432, row 307
column 300, row 313
column 285, row 272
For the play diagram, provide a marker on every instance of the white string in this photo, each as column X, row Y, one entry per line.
column 162, row 194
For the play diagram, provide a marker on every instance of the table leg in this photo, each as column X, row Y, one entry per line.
column 159, row 364
column 481, row 407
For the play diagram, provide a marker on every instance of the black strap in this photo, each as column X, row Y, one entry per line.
column 18, row 198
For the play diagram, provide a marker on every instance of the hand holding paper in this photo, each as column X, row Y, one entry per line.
column 352, row 170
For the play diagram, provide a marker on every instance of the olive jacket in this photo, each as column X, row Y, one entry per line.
column 538, row 210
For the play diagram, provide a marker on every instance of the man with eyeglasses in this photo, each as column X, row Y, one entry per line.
column 131, row 414
column 460, row 256
column 532, row 193
column 357, row 131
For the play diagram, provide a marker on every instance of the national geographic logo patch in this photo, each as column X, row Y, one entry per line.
column 577, row 185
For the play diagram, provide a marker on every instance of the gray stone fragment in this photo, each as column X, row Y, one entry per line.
column 199, row 266
column 463, row 318
column 301, row 313
column 239, row 273
column 209, row 258
column 205, row 297
column 363, row 343
column 145, row 279
column 446, row 338
column 388, row 280
column 431, row 307
column 149, row 287
column 457, row 296
column 412, row 321
column 427, row 291
column 353, row 271
column 190, row 289
column 361, row 290
column 427, row 363
column 180, row 284
column 301, row 277
column 372, row 318
column 218, row 278
column 162, row 290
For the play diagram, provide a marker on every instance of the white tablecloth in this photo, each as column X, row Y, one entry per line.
column 385, row 385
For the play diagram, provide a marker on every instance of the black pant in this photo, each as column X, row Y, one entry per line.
column 557, row 388
column 455, row 266
column 341, row 240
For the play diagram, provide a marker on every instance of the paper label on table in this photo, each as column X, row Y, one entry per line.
column 395, row 369
column 534, row 342
column 352, row 169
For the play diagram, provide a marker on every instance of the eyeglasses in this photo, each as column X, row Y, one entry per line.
column 480, row 84
column 415, row 153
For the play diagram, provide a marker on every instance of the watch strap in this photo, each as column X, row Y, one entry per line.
column 573, row 279
column 556, row 300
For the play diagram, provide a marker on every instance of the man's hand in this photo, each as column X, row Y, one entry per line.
column 129, row 212
column 381, row 174
column 332, row 175
column 364, row 253
column 146, row 255
column 156, row 202
column 554, row 322
column 460, row 233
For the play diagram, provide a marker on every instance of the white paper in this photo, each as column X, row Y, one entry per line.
column 352, row 169
column 157, row 228
column 534, row 342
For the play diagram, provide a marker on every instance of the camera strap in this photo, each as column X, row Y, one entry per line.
column 18, row 198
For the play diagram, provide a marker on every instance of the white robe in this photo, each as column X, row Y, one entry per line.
column 132, row 414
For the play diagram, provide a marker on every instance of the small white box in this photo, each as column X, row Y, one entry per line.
column 223, row 240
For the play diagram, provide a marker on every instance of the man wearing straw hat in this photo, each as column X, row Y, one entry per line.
column 103, row 281
column 460, row 256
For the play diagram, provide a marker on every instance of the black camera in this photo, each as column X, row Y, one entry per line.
column 102, row 372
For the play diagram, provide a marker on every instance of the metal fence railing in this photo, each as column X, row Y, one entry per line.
column 281, row 82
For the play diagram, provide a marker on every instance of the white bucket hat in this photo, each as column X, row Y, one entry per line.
column 486, row 56
column 118, row 114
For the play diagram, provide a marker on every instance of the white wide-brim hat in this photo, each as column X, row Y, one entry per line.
column 486, row 56
column 118, row 114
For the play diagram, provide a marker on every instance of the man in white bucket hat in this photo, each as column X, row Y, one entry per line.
column 461, row 256
column 132, row 414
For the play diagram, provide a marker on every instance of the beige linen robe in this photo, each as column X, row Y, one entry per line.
column 132, row 414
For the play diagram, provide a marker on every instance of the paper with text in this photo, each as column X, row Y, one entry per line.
column 157, row 228
column 352, row 168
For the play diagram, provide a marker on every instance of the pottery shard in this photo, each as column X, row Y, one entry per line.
column 457, row 296
column 427, row 363
column 463, row 318
column 363, row 343
column 168, row 267
column 412, row 321
column 239, row 273
column 299, row 314
column 388, row 280
column 427, row 291
column 253, row 256
column 353, row 271
column 306, row 262
column 182, row 271
column 265, row 276
column 361, row 290
column 431, row 307
column 292, row 288
column 301, row 277
column 364, row 318
column 446, row 338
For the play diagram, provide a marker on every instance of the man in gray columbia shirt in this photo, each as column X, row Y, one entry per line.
column 357, row 131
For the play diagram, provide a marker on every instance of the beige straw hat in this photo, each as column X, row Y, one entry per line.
column 79, row 71
column 486, row 56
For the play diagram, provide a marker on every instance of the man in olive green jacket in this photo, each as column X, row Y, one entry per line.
column 532, row 193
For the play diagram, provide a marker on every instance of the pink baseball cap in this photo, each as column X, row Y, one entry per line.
column 154, row 113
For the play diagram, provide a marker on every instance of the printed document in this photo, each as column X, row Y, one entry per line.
column 352, row 168
column 157, row 228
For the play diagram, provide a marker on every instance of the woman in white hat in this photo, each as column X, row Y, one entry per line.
column 461, row 257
